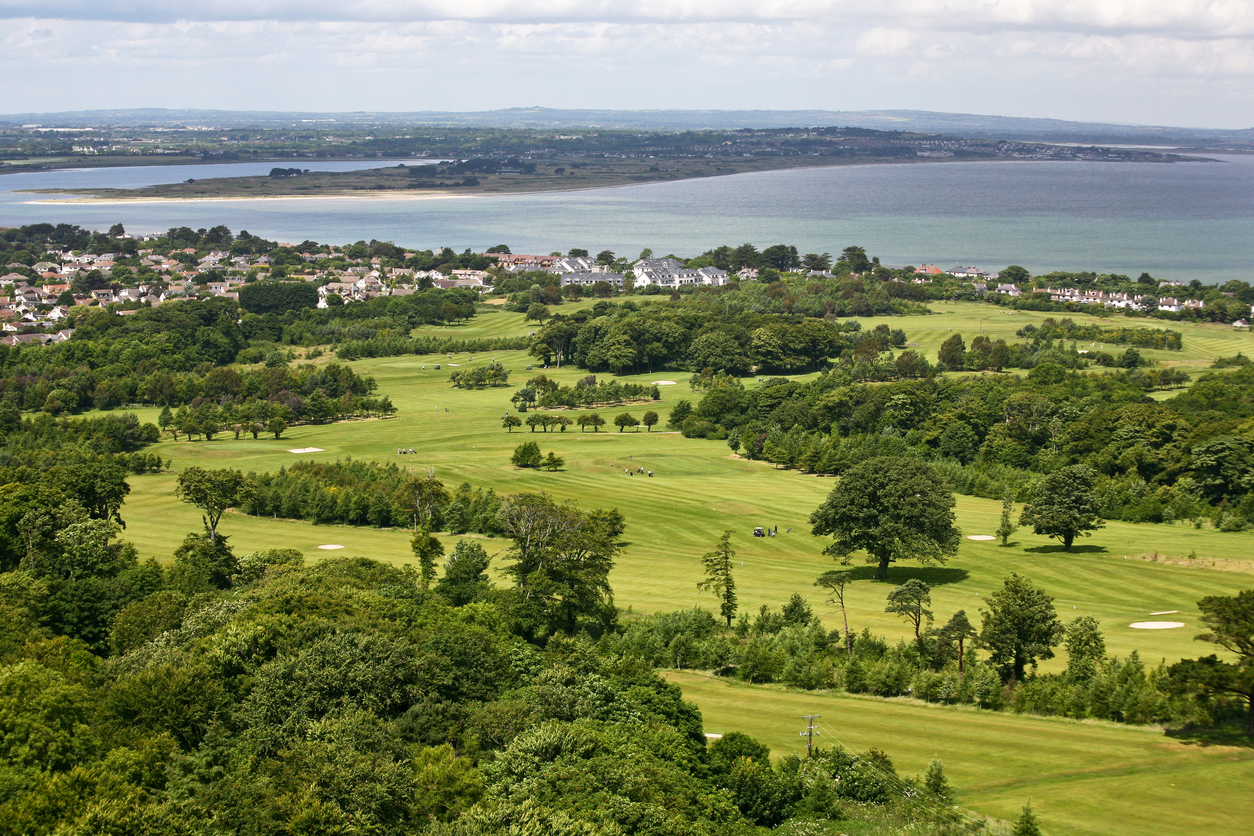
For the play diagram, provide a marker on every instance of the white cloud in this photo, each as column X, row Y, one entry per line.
column 1160, row 61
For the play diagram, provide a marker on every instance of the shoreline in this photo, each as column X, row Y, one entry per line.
column 427, row 194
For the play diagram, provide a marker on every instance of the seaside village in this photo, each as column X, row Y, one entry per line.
column 33, row 308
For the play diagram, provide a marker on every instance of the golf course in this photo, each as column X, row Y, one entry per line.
column 1083, row 777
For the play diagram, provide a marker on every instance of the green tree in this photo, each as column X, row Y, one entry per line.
column 836, row 582
column 552, row 462
column 953, row 353
column 511, row 421
column 958, row 629
column 277, row 425
column 718, row 577
column 213, row 491
column 560, row 562
column 427, row 550
column 624, row 421
column 465, row 576
column 935, row 782
column 893, row 509
column 595, row 421
column 1231, row 623
column 1019, row 628
column 1006, row 528
column 165, row 419
column 679, row 413
column 649, row 420
column 1086, row 648
column 1026, row 824
column 1063, row 504
column 526, row 454
column 1014, row 274
column 911, row 600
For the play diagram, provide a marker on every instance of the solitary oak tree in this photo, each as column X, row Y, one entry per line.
column 893, row 509
column 1063, row 505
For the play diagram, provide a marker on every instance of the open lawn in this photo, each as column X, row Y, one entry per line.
column 1083, row 778
column 1203, row 342
column 699, row 489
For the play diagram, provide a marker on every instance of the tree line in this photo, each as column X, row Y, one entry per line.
column 1182, row 458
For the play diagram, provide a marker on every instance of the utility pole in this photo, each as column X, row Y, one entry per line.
column 810, row 732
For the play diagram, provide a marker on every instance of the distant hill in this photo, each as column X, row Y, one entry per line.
column 963, row 124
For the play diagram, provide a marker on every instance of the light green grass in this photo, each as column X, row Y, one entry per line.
column 672, row 519
column 1083, row 778
column 1203, row 343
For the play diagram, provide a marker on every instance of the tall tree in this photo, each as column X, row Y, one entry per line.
column 1231, row 623
column 893, row 509
column 835, row 582
column 427, row 550
column 911, row 600
column 958, row 629
column 1086, row 648
column 1006, row 528
column 560, row 561
column 718, row 577
column 1020, row 627
column 213, row 491
column 1063, row 504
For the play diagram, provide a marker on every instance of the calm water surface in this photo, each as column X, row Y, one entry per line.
column 1183, row 220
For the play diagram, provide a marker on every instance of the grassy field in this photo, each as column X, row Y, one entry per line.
column 1203, row 342
column 1083, row 778
column 1120, row 575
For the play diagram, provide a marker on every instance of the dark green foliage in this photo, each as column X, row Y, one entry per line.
column 1020, row 627
column 891, row 508
column 526, row 455
column 1063, row 505
column 353, row 492
column 277, row 297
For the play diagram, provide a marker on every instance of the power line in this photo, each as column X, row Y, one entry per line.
column 809, row 733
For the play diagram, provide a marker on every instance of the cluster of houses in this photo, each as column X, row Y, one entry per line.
column 44, row 302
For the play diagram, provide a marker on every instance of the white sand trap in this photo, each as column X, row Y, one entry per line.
column 709, row 736
column 307, row 450
column 330, row 547
column 1165, row 612
column 453, row 364
column 1156, row 625
column 664, row 383
column 980, row 537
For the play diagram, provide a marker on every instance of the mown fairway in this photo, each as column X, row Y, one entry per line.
column 1086, row 779
column 698, row 490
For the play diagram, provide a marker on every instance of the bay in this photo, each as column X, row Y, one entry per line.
column 1176, row 221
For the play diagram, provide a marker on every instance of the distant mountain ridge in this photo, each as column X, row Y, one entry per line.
column 964, row 124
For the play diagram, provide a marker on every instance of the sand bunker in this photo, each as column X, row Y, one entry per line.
column 307, row 450
column 1156, row 625
column 980, row 537
column 331, row 546
column 455, row 365
column 663, row 383
column 1165, row 612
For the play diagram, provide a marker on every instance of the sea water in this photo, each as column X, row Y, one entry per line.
column 1173, row 220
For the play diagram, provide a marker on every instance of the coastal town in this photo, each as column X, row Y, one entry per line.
column 38, row 299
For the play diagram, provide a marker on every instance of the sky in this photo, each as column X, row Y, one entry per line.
column 1186, row 63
